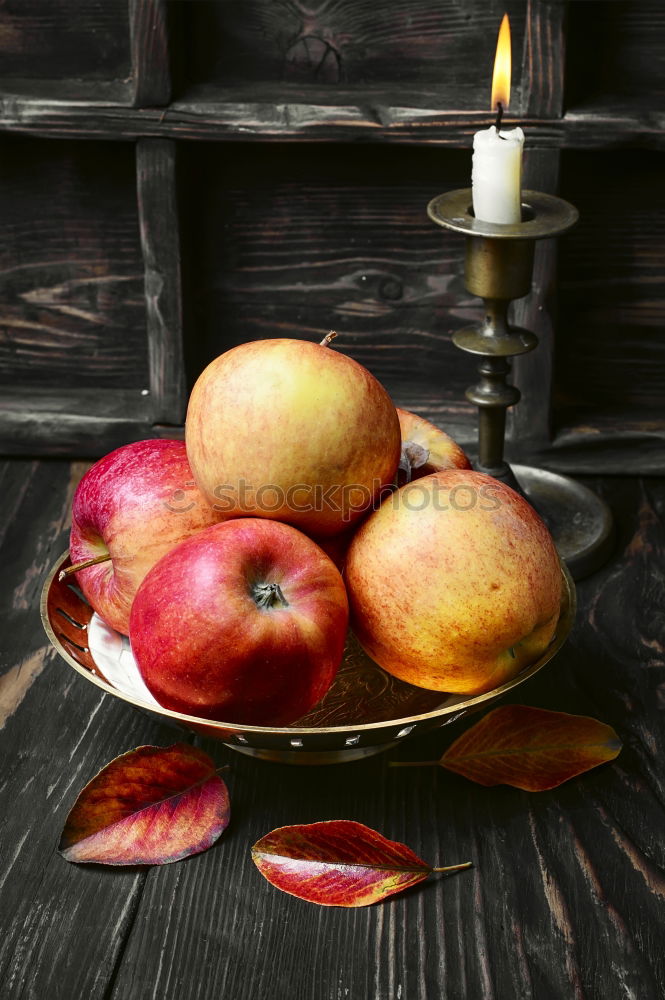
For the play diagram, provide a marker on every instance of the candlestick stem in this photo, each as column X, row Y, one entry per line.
column 494, row 341
column 492, row 395
column 498, row 268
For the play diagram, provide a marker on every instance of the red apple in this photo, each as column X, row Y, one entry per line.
column 294, row 432
column 244, row 622
column 135, row 504
column 427, row 448
column 454, row 583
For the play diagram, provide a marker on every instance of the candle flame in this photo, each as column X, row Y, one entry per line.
column 501, row 75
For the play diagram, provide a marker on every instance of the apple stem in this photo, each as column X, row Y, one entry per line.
column 412, row 763
column 454, row 868
column 269, row 595
column 413, row 456
column 83, row 565
column 328, row 337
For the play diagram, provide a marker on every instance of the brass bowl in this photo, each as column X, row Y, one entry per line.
column 365, row 712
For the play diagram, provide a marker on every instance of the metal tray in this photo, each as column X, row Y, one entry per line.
column 365, row 712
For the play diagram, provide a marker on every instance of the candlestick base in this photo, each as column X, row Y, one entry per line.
column 579, row 521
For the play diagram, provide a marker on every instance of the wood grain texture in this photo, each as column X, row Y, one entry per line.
column 610, row 343
column 319, row 239
column 241, row 115
column 443, row 46
column 600, row 442
column 150, row 53
column 39, row 421
column 71, row 309
column 604, row 127
column 160, row 242
column 566, row 899
column 544, row 59
column 55, row 39
column 616, row 55
column 528, row 423
column 56, row 737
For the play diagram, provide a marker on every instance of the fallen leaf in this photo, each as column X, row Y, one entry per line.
column 530, row 748
column 150, row 806
column 339, row 863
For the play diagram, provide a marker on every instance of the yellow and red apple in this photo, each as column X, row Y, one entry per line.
column 454, row 583
column 426, row 448
column 292, row 431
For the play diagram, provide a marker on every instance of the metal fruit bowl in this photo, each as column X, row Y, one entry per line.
column 365, row 712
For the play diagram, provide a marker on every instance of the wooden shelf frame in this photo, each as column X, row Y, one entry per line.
column 143, row 111
column 160, row 241
column 256, row 120
column 151, row 66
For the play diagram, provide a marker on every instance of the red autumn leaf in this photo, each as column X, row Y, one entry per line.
column 150, row 806
column 530, row 748
column 339, row 863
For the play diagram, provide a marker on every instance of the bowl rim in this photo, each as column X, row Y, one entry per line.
column 564, row 626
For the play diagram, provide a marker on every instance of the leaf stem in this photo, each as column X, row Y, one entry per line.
column 328, row 337
column 83, row 565
column 454, row 868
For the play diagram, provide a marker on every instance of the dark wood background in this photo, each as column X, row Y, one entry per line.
column 178, row 176
column 73, row 305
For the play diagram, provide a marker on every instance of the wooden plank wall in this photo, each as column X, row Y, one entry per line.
column 611, row 344
column 304, row 239
column 329, row 129
column 616, row 55
column 55, row 39
column 433, row 51
column 71, row 269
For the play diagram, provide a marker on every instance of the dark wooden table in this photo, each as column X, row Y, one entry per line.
column 565, row 899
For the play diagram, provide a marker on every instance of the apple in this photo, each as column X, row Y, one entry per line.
column 337, row 546
column 133, row 505
column 454, row 583
column 426, row 448
column 292, row 431
column 244, row 622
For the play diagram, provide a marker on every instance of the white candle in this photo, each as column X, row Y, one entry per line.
column 496, row 177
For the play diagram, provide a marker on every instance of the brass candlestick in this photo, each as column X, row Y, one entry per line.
column 498, row 267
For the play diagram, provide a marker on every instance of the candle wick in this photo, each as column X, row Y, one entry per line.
column 499, row 116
